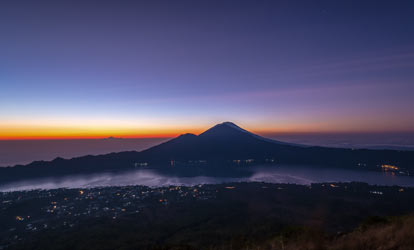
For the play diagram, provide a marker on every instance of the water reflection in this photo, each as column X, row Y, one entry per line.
column 276, row 174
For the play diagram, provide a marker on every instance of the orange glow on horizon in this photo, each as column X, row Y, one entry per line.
column 93, row 131
column 73, row 135
column 87, row 132
column 16, row 138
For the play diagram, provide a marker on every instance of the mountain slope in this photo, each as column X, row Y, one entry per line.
column 228, row 129
column 225, row 141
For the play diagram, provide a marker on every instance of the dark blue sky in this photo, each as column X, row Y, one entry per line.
column 130, row 68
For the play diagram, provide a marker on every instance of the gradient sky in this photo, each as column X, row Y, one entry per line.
column 160, row 68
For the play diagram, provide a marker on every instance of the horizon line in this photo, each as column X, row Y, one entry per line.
column 173, row 135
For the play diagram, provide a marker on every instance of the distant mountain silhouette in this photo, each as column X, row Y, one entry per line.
column 223, row 145
column 225, row 141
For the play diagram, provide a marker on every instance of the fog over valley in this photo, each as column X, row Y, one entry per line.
column 302, row 175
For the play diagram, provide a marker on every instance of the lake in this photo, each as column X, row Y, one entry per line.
column 303, row 175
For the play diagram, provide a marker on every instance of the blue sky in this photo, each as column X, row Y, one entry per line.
column 160, row 65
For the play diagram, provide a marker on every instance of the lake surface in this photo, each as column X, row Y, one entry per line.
column 303, row 175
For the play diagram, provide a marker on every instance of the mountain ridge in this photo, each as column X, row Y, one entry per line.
column 220, row 145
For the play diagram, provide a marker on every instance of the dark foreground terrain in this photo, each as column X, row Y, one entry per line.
column 225, row 216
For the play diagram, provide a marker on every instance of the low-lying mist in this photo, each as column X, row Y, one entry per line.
column 303, row 175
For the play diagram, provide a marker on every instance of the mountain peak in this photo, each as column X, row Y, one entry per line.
column 223, row 129
column 228, row 130
column 232, row 125
column 228, row 123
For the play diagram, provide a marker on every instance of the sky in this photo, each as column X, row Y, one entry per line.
column 91, row 69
